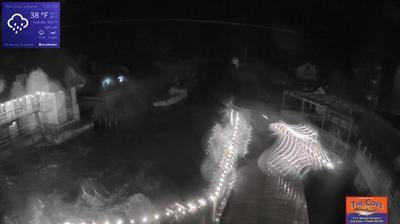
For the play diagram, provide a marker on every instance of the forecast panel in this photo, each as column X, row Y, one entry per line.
column 31, row 24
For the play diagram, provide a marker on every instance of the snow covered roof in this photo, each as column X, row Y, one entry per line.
column 58, row 67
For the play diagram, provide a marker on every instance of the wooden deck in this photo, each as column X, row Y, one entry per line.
column 262, row 198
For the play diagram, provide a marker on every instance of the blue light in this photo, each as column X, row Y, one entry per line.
column 122, row 79
column 107, row 82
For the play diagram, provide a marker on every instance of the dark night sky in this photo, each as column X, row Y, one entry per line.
column 311, row 15
column 339, row 32
column 345, row 28
column 354, row 23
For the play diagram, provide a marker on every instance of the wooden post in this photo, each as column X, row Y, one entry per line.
column 350, row 132
column 334, row 145
column 283, row 100
column 203, row 220
column 396, row 195
column 388, row 184
column 213, row 211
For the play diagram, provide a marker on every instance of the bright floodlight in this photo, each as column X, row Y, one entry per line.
column 122, row 79
column 296, row 152
column 107, row 82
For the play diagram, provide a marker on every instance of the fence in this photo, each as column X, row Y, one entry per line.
column 390, row 188
column 19, row 112
column 335, row 144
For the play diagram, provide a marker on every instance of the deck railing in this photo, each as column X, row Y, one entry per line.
column 347, row 150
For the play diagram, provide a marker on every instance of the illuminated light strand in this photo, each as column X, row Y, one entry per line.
column 21, row 99
column 288, row 188
column 296, row 152
column 239, row 135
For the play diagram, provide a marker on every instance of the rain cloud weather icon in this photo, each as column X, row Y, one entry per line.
column 17, row 23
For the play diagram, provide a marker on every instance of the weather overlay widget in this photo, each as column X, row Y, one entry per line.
column 31, row 24
column 360, row 210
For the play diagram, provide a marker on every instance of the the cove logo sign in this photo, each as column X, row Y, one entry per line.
column 362, row 210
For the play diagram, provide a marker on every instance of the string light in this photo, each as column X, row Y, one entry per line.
column 232, row 141
column 296, row 152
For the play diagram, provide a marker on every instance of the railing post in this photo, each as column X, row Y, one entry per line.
column 396, row 195
column 350, row 132
column 346, row 151
column 213, row 210
column 323, row 119
column 388, row 185
column 283, row 100
column 334, row 145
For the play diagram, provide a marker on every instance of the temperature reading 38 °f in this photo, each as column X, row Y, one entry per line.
column 30, row 24
column 37, row 15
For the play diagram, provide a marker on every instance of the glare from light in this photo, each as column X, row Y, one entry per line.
column 202, row 202
column 122, row 79
column 296, row 152
column 106, row 82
